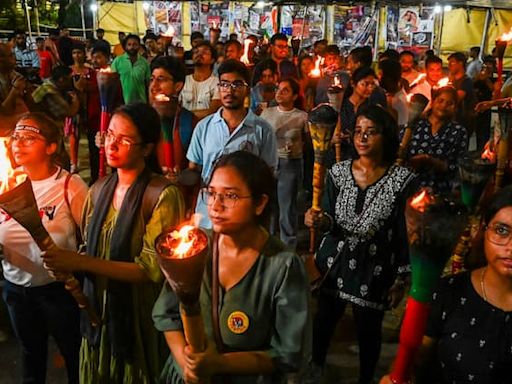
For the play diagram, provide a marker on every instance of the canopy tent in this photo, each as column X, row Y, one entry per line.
column 478, row 23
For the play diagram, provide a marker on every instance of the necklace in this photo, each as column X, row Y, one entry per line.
column 482, row 285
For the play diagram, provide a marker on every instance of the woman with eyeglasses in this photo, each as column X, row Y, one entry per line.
column 469, row 331
column 363, row 254
column 261, row 288
column 38, row 305
column 124, row 214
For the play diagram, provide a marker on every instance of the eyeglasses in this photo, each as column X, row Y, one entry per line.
column 228, row 200
column 235, row 85
column 371, row 133
column 160, row 79
column 499, row 233
column 25, row 140
column 121, row 140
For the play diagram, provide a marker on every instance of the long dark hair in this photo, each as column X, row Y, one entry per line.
column 146, row 120
column 257, row 175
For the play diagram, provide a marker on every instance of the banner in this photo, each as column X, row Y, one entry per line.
column 354, row 26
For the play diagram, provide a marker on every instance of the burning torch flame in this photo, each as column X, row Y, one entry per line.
column 443, row 82
column 170, row 32
column 507, row 36
column 9, row 178
column 214, row 25
column 105, row 70
column 409, row 97
column 186, row 241
column 488, row 154
column 421, row 201
column 316, row 72
column 336, row 81
column 247, row 46
column 162, row 97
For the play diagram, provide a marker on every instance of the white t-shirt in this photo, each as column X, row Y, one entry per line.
column 289, row 127
column 23, row 264
column 198, row 95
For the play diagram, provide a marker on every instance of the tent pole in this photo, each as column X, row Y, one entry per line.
column 36, row 14
column 82, row 15
column 377, row 26
column 484, row 35
column 27, row 12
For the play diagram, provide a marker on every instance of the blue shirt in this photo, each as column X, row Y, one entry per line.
column 26, row 58
column 211, row 139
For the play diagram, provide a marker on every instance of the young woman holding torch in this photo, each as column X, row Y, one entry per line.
column 364, row 254
column 38, row 305
column 124, row 214
column 262, row 288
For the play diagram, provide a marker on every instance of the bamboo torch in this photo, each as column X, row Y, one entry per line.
column 181, row 254
column 321, row 122
column 18, row 201
column 335, row 93
column 109, row 86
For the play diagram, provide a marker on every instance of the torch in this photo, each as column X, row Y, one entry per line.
column 182, row 254
column 168, row 35
column 20, row 203
column 321, row 122
column 335, row 94
column 417, row 105
column 166, row 108
column 109, row 86
column 313, row 75
column 247, row 49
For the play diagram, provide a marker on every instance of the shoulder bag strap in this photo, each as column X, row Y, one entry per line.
column 215, row 294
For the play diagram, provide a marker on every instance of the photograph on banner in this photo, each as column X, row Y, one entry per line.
column 392, row 14
column 164, row 17
column 408, row 23
column 213, row 14
column 303, row 22
column 354, row 26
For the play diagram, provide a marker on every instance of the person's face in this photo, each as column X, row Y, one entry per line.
column 232, row 52
column 280, row 49
column 407, row 62
column 123, row 145
column 7, row 59
column 268, row 77
column 331, row 61
column 499, row 256
column 368, row 139
column 284, row 94
column 444, row 106
column 78, row 56
column 230, row 205
column 100, row 34
column 319, row 49
column 40, row 45
column 455, row 66
column 233, row 91
column 29, row 148
column 365, row 87
column 99, row 60
column 160, row 45
column 202, row 56
column 161, row 82
column 196, row 42
column 151, row 45
column 21, row 41
column 132, row 47
column 351, row 64
column 306, row 66
column 434, row 72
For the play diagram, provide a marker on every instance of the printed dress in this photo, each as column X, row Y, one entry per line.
column 367, row 246
column 474, row 338
column 267, row 310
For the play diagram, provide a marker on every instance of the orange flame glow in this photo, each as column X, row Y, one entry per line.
column 421, row 201
column 409, row 97
column 247, row 46
column 336, row 81
column 170, row 32
column 9, row 178
column 443, row 82
column 488, row 154
column 186, row 241
column 507, row 36
column 420, row 77
column 105, row 70
column 317, row 72
column 162, row 97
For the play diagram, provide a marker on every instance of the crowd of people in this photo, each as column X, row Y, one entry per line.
column 232, row 143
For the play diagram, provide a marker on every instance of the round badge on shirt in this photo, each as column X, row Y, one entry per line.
column 238, row 322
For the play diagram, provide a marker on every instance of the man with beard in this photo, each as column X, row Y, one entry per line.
column 231, row 128
column 200, row 93
column 133, row 70
column 27, row 60
column 279, row 53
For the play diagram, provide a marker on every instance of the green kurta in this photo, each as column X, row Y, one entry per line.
column 97, row 364
column 273, row 296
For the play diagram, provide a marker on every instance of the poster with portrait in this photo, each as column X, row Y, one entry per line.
column 213, row 14
column 304, row 22
column 392, row 15
column 354, row 26
column 164, row 17
column 408, row 23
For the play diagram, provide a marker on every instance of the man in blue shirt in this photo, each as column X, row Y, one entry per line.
column 27, row 59
column 230, row 129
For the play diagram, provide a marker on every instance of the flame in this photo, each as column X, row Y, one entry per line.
column 247, row 46
column 9, row 178
column 336, row 81
column 507, row 36
column 162, row 97
column 105, row 70
column 170, row 32
column 317, row 72
column 186, row 241
column 420, row 77
column 443, row 82
column 488, row 154
column 421, row 201
column 409, row 97
column 214, row 25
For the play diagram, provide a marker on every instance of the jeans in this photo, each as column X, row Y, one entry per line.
column 368, row 324
column 289, row 179
column 36, row 313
